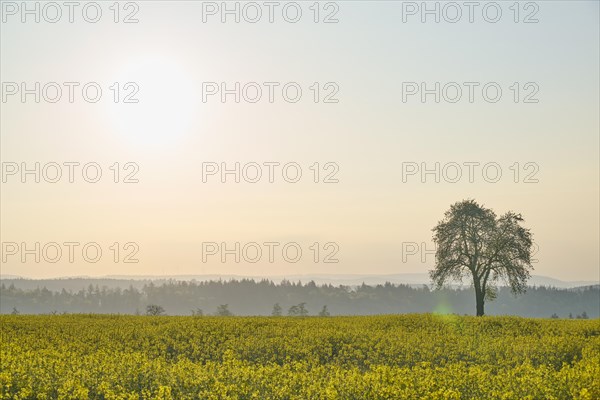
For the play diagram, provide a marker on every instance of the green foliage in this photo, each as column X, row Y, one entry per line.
column 223, row 311
column 154, row 309
column 248, row 297
column 298, row 310
column 198, row 312
column 277, row 310
column 324, row 312
column 472, row 242
column 360, row 358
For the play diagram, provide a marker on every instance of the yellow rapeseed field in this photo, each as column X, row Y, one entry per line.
column 370, row 358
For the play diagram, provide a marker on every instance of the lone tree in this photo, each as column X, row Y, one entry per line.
column 324, row 312
column 198, row 312
column 276, row 310
column 154, row 309
column 223, row 311
column 472, row 242
column 298, row 310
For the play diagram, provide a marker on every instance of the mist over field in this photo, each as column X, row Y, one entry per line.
column 258, row 297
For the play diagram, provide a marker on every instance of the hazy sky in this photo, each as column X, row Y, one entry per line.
column 366, row 61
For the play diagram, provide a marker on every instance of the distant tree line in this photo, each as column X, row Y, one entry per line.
column 249, row 297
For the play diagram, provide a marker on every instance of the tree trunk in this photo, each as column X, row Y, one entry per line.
column 480, row 302
column 479, row 298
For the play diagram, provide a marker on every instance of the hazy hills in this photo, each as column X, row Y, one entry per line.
column 138, row 281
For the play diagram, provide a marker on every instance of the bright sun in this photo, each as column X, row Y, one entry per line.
column 166, row 102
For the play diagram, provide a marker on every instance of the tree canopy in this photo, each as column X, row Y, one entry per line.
column 471, row 241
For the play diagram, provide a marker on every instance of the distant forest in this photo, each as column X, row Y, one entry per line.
column 249, row 297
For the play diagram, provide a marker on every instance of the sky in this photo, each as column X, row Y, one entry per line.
column 346, row 159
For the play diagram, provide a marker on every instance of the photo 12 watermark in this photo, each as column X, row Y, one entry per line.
column 425, row 253
column 271, row 252
column 69, row 172
column 469, row 172
column 453, row 12
column 269, row 92
column 469, row 92
column 71, row 252
column 69, row 92
column 56, row 12
column 270, row 172
column 253, row 12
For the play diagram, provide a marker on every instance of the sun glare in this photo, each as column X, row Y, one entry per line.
column 153, row 102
